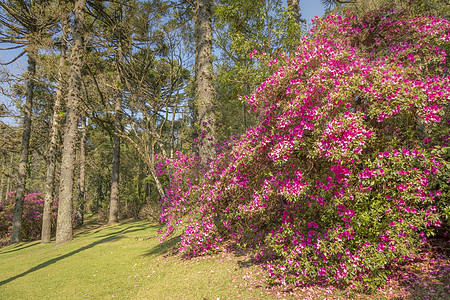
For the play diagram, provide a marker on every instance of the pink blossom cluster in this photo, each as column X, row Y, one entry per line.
column 33, row 207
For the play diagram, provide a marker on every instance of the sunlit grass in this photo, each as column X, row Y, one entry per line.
column 124, row 261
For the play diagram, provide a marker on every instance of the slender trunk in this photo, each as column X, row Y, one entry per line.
column 3, row 177
column 54, row 139
column 82, row 175
column 172, row 131
column 8, row 180
column 204, row 86
column 64, row 222
column 22, row 171
column 147, row 192
column 152, row 170
column 114, row 199
column 158, row 183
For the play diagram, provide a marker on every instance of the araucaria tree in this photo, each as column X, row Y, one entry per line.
column 336, row 182
column 205, row 91
column 64, row 222
column 50, row 178
column 25, row 24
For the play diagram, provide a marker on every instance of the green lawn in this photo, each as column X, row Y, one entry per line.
column 124, row 261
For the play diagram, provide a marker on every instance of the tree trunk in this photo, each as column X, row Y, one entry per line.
column 158, row 183
column 64, row 222
column 54, row 135
column 2, row 181
column 114, row 199
column 295, row 7
column 82, row 175
column 204, row 84
column 152, row 170
column 22, row 171
column 172, row 130
column 8, row 180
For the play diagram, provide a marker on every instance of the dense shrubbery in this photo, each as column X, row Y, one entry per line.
column 339, row 178
column 33, row 207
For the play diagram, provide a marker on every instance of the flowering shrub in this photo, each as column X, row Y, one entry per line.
column 188, row 197
column 337, row 180
column 33, row 207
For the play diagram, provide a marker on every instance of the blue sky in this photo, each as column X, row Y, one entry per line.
column 311, row 9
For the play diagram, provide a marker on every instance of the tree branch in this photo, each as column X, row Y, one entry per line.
column 16, row 58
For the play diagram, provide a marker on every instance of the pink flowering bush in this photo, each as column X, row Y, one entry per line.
column 33, row 207
column 338, row 180
column 187, row 203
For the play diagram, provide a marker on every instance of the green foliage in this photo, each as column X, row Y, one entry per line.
column 244, row 27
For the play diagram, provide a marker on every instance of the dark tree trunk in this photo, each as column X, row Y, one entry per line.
column 22, row 171
column 114, row 199
column 204, row 79
column 82, row 175
column 64, row 222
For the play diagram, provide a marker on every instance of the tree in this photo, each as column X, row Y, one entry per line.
column 54, row 136
column 152, row 86
column 64, row 222
column 24, row 24
column 81, row 205
column 204, row 87
column 139, row 63
column 119, row 35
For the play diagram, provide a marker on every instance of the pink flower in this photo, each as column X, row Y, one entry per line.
column 380, row 247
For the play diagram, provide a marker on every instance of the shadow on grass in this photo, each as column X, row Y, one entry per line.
column 164, row 247
column 113, row 236
column 114, row 229
column 21, row 247
column 56, row 259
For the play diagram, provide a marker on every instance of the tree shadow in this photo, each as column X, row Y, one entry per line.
column 164, row 247
column 56, row 259
column 114, row 235
column 129, row 229
column 21, row 247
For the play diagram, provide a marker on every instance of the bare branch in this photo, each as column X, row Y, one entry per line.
column 16, row 58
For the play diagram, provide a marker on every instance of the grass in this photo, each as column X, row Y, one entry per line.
column 120, row 261
column 127, row 261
